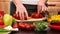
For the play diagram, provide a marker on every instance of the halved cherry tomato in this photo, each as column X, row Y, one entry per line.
column 32, row 26
column 15, row 26
column 21, row 25
column 28, row 27
column 1, row 14
column 35, row 15
column 16, row 16
column 1, row 22
column 2, row 26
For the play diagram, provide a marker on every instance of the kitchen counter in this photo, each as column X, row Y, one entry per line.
column 34, row 32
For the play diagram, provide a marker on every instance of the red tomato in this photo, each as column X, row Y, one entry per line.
column 28, row 27
column 21, row 25
column 32, row 26
column 2, row 26
column 40, row 15
column 25, row 24
column 1, row 14
column 35, row 15
column 15, row 26
column 16, row 16
column 25, row 18
column 1, row 22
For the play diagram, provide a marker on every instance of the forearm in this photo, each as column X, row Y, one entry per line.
column 17, row 2
column 43, row 1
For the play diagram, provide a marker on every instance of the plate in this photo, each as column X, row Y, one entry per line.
column 30, row 19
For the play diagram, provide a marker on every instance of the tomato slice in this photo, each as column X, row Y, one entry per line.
column 15, row 26
column 36, row 15
column 16, row 16
column 21, row 25
column 32, row 26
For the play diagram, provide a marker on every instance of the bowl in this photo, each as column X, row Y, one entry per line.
column 41, row 26
column 55, row 27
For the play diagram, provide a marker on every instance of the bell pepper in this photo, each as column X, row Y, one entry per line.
column 8, row 19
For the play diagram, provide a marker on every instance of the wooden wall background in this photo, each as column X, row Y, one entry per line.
column 55, row 6
column 5, row 6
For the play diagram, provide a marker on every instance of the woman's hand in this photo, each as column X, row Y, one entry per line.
column 21, row 10
column 41, row 7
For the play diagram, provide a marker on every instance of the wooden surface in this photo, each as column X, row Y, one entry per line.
column 37, row 32
column 4, row 0
column 53, row 0
column 5, row 6
column 54, row 6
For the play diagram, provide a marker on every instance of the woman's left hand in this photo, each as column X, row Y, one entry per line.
column 41, row 7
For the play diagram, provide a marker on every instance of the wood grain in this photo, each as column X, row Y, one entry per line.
column 4, row 0
column 5, row 6
column 53, row 0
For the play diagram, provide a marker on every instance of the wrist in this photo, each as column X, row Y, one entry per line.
column 42, row 2
column 17, row 5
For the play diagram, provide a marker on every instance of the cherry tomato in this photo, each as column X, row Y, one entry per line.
column 25, row 18
column 21, row 25
column 2, row 26
column 16, row 16
column 1, row 14
column 1, row 22
column 28, row 27
column 35, row 15
column 15, row 26
column 32, row 26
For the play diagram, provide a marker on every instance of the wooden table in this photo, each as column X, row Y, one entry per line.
column 37, row 32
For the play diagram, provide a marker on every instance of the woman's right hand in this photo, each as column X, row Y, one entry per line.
column 21, row 10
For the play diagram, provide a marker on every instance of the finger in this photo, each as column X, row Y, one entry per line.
column 46, row 9
column 39, row 9
column 22, row 14
column 17, row 12
column 26, row 13
column 43, row 9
